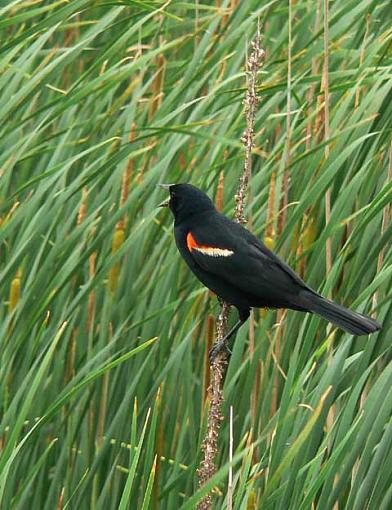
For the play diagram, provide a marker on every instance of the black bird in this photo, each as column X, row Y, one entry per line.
column 241, row 270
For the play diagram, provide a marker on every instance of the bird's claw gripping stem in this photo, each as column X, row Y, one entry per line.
column 219, row 346
column 223, row 344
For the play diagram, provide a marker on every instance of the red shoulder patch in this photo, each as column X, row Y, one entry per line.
column 212, row 251
column 190, row 241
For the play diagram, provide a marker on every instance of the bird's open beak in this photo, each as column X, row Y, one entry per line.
column 166, row 202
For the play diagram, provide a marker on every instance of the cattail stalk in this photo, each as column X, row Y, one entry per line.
column 386, row 218
column 251, row 101
column 284, row 204
column 119, row 233
column 218, row 367
column 117, row 242
column 361, row 59
column 230, row 483
column 328, row 246
column 210, row 327
column 285, row 180
column 14, row 295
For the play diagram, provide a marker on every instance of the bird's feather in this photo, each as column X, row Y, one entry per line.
column 252, row 268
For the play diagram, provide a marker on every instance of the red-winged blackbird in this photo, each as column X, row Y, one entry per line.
column 241, row 270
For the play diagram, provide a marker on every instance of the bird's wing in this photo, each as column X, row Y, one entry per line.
column 231, row 252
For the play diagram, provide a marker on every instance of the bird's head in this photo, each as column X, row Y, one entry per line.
column 185, row 200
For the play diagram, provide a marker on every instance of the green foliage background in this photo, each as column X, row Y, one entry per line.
column 103, row 329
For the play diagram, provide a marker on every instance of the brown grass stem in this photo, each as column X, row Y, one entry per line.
column 328, row 246
column 218, row 368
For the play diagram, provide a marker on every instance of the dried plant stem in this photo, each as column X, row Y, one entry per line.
column 285, row 181
column 218, row 367
column 230, row 484
column 284, row 201
column 386, row 218
column 251, row 101
column 215, row 417
column 380, row 259
column 311, row 90
column 326, row 128
column 361, row 58
column 328, row 245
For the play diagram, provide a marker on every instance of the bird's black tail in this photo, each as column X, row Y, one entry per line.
column 352, row 322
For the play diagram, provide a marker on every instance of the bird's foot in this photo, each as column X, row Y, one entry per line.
column 219, row 347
